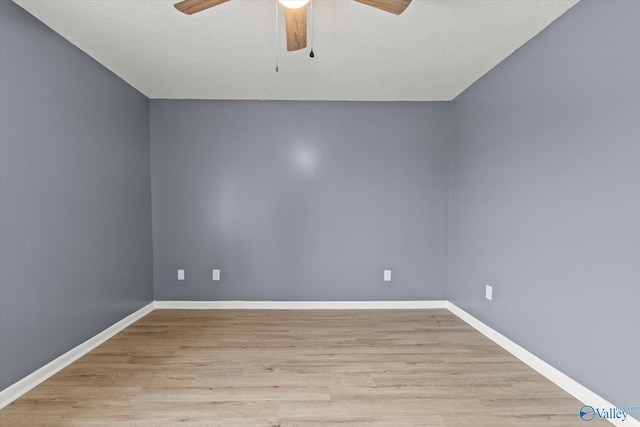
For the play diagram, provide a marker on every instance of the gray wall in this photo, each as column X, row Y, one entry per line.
column 545, row 197
column 75, row 247
column 299, row 200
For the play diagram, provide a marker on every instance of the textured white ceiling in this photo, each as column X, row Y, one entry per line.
column 432, row 52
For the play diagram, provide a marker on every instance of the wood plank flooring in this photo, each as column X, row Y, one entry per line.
column 297, row 368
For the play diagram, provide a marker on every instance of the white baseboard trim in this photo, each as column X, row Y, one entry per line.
column 571, row 386
column 22, row 386
column 562, row 380
column 300, row 305
column 19, row 388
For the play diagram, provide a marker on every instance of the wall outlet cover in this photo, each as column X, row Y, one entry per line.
column 488, row 292
column 180, row 274
column 215, row 275
column 387, row 275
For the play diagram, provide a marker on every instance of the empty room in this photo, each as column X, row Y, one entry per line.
column 320, row 213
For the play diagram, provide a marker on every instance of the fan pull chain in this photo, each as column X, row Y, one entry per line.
column 277, row 68
column 311, row 54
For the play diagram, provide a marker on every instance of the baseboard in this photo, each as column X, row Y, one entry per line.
column 300, row 305
column 19, row 388
column 571, row 386
column 562, row 380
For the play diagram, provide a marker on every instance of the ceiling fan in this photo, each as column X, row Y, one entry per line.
column 295, row 14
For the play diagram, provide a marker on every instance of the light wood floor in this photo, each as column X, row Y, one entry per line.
column 297, row 368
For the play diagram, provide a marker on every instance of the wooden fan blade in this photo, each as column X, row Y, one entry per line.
column 296, row 23
column 392, row 6
column 192, row 6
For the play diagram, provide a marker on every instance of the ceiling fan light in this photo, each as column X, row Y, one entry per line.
column 293, row 4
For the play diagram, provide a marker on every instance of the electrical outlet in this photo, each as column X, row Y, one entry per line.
column 215, row 275
column 488, row 292
column 387, row 276
column 180, row 274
